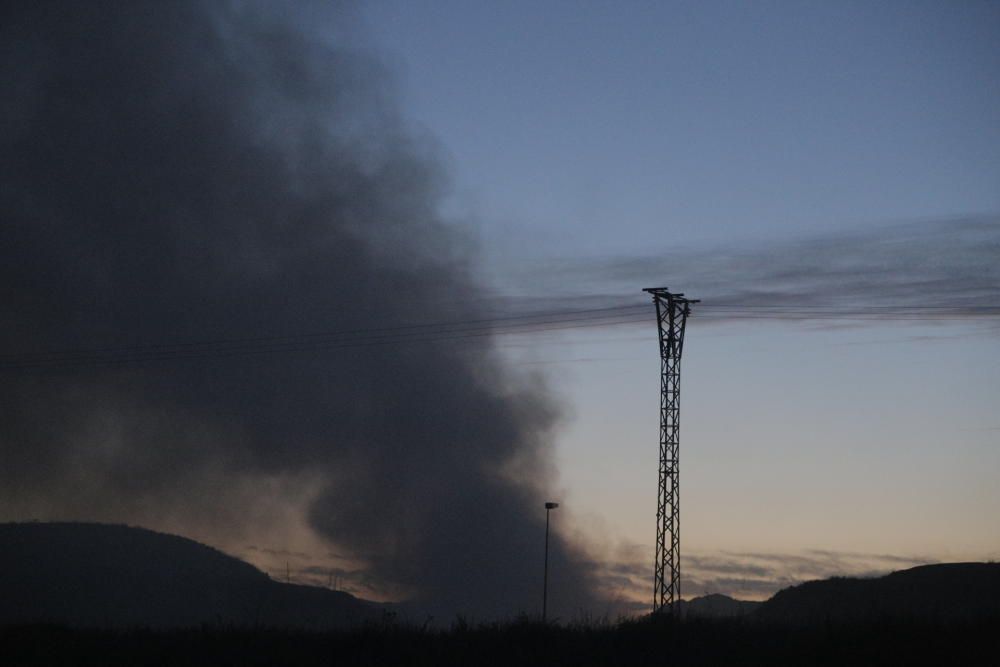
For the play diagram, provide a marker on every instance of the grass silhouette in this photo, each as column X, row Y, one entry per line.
column 524, row 641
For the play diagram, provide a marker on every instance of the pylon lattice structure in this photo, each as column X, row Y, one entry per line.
column 671, row 317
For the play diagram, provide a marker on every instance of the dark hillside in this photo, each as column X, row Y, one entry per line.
column 716, row 606
column 950, row 592
column 108, row 576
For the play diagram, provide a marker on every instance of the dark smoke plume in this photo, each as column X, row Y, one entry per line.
column 174, row 171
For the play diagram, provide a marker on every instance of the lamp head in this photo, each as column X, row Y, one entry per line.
column 551, row 506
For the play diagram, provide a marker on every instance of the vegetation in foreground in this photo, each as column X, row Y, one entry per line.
column 522, row 642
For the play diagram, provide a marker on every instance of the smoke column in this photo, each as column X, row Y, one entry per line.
column 175, row 171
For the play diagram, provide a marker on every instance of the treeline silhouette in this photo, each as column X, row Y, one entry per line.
column 632, row 643
column 93, row 594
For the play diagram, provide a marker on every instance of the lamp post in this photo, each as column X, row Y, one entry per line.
column 545, row 581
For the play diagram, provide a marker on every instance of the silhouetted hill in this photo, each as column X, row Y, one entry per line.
column 939, row 593
column 716, row 606
column 108, row 575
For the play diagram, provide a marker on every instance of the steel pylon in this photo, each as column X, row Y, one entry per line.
column 671, row 316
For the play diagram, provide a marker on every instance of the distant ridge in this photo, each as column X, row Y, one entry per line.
column 949, row 592
column 716, row 605
column 100, row 575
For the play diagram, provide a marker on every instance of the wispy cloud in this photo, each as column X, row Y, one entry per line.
column 931, row 270
column 752, row 573
column 746, row 575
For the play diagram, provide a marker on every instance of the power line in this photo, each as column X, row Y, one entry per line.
column 494, row 323
column 502, row 325
column 240, row 347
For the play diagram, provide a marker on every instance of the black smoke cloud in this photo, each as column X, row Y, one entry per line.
column 181, row 170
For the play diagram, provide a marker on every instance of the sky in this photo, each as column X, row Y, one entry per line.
column 594, row 127
column 575, row 132
column 351, row 289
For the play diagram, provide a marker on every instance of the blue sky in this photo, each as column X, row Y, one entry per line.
column 608, row 125
column 573, row 132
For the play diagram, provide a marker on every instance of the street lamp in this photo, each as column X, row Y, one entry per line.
column 545, row 580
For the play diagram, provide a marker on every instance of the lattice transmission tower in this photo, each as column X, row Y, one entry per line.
column 671, row 316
